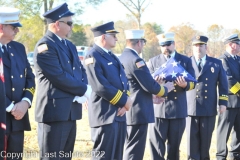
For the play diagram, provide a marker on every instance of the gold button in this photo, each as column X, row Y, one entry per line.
column 23, row 89
column 73, row 68
column 197, row 96
column 13, row 89
column 12, row 54
column 175, row 97
column 205, row 84
column 11, row 76
column 197, row 90
column 175, row 90
column 197, row 83
column 206, row 79
column 205, row 97
column 68, row 61
column 122, row 82
column 21, row 76
column 205, row 90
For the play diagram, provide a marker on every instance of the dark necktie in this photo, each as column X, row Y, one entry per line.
column 5, row 54
column 235, row 58
column 169, row 56
column 200, row 65
column 111, row 54
column 64, row 42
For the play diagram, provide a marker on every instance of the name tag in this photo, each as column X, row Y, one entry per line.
column 110, row 63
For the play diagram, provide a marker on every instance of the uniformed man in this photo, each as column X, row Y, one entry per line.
column 170, row 115
column 62, row 86
column 142, row 86
column 210, row 91
column 19, row 81
column 110, row 97
column 230, row 119
column 2, row 108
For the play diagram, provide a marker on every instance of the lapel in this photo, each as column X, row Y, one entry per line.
column 234, row 65
column 56, row 40
column 13, row 58
column 195, row 67
column 106, row 56
column 206, row 65
column 178, row 58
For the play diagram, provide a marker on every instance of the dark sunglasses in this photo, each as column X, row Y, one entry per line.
column 168, row 44
column 69, row 23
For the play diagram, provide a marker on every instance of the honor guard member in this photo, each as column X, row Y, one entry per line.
column 230, row 119
column 210, row 91
column 19, row 81
column 2, row 108
column 142, row 86
column 62, row 85
column 170, row 115
column 110, row 97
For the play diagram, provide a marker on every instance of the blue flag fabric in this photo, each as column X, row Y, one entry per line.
column 170, row 70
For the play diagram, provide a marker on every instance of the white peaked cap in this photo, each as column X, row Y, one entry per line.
column 134, row 34
column 10, row 16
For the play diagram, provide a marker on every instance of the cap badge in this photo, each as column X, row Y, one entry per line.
column 198, row 37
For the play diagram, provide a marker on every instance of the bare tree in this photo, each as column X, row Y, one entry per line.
column 136, row 8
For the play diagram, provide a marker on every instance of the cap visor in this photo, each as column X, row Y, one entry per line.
column 198, row 42
column 16, row 24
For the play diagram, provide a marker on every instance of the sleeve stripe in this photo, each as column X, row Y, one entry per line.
column 235, row 88
column 128, row 93
column 223, row 98
column 31, row 90
column 116, row 98
column 191, row 85
column 161, row 92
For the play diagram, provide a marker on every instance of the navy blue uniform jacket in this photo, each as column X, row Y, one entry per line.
column 60, row 77
column 19, row 83
column 175, row 105
column 142, row 86
column 202, row 100
column 232, row 68
column 110, row 87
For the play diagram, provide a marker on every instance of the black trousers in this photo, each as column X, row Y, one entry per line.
column 199, row 136
column 170, row 130
column 56, row 140
column 109, row 141
column 227, row 122
column 135, row 142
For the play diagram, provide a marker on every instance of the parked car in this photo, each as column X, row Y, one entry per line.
column 30, row 58
column 82, row 50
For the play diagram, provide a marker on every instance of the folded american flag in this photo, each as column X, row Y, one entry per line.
column 170, row 70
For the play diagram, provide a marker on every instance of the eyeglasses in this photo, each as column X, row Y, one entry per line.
column 13, row 27
column 69, row 23
column 144, row 41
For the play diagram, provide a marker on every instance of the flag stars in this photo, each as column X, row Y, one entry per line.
column 173, row 74
column 184, row 74
column 164, row 65
column 163, row 75
column 174, row 64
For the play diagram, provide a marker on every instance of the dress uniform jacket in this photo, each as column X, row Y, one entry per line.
column 110, row 87
column 232, row 68
column 2, row 107
column 202, row 100
column 142, row 86
column 175, row 105
column 19, row 83
column 60, row 77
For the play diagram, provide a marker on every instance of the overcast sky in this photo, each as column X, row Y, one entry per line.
column 172, row 12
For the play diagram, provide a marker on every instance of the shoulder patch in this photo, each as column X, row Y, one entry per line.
column 88, row 61
column 140, row 64
column 42, row 48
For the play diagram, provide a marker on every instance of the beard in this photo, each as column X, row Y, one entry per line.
column 167, row 52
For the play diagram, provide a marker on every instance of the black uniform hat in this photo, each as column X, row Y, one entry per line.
column 104, row 29
column 57, row 13
column 231, row 38
column 199, row 40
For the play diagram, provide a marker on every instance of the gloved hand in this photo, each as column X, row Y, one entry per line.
column 80, row 99
column 88, row 92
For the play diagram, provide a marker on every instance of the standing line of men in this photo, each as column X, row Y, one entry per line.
column 121, row 101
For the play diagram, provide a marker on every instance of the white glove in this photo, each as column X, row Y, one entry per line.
column 79, row 99
column 88, row 92
column 10, row 107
